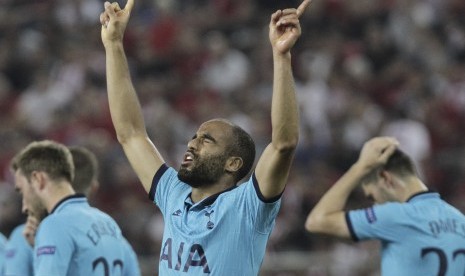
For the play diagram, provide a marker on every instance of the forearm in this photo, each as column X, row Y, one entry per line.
column 125, row 108
column 335, row 199
column 284, row 108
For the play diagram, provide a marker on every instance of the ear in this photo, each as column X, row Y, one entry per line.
column 39, row 180
column 388, row 179
column 233, row 164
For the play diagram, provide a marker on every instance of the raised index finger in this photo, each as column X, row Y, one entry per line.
column 300, row 9
column 129, row 5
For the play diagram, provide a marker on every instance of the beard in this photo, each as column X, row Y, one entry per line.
column 38, row 209
column 205, row 172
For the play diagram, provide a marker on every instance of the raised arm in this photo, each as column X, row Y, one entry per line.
column 328, row 216
column 125, row 108
column 273, row 166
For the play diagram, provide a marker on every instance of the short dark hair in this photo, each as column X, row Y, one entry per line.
column 243, row 146
column 400, row 163
column 47, row 156
column 85, row 168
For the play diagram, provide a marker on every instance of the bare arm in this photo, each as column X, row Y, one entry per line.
column 125, row 108
column 328, row 215
column 273, row 166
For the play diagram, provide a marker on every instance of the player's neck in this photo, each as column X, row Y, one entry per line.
column 199, row 194
column 414, row 186
column 56, row 194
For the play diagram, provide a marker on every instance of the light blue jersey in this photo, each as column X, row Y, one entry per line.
column 224, row 234
column 77, row 239
column 424, row 236
column 2, row 253
column 18, row 254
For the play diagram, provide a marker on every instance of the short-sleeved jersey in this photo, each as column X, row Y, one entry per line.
column 77, row 239
column 423, row 236
column 2, row 252
column 18, row 254
column 224, row 234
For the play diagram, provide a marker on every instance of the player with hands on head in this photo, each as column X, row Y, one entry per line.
column 420, row 233
column 204, row 208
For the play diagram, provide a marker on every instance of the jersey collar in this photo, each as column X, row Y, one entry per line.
column 423, row 195
column 65, row 199
column 206, row 201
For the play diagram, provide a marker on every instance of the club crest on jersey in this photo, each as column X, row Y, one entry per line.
column 210, row 224
column 177, row 213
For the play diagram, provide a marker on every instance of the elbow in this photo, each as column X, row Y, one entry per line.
column 288, row 145
column 310, row 225
column 285, row 138
column 124, row 137
column 128, row 128
column 313, row 224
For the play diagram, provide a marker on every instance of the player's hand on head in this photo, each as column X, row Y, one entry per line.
column 30, row 229
column 285, row 27
column 114, row 20
column 376, row 151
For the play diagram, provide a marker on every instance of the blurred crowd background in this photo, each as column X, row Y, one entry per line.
column 362, row 68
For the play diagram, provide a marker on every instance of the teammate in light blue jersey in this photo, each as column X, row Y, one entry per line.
column 420, row 233
column 19, row 256
column 424, row 236
column 211, row 226
column 19, row 253
column 75, row 238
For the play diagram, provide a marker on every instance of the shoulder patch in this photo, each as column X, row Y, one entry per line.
column 46, row 250
column 370, row 214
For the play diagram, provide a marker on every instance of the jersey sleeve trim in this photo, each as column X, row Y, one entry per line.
column 156, row 179
column 351, row 227
column 259, row 193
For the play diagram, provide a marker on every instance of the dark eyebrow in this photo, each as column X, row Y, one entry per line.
column 208, row 136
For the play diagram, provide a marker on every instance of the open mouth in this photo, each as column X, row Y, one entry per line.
column 188, row 159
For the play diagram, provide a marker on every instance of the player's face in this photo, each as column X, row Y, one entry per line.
column 32, row 205
column 205, row 159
